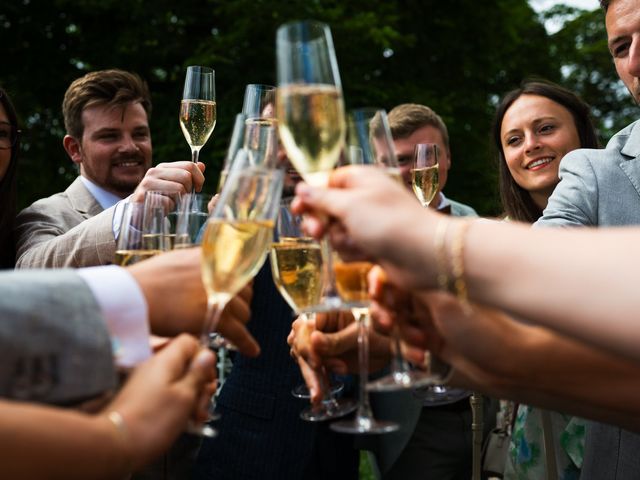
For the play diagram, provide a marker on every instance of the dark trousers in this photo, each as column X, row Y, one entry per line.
column 441, row 445
column 175, row 464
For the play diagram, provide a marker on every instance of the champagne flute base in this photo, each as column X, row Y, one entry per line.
column 329, row 410
column 402, row 381
column 437, row 393
column 201, row 430
column 302, row 391
column 364, row 425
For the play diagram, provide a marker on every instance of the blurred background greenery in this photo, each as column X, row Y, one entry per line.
column 457, row 56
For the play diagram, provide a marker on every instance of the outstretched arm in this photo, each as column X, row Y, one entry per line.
column 581, row 283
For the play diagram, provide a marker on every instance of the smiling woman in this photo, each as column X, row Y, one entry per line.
column 534, row 127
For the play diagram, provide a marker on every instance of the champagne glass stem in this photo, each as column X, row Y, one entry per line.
column 195, row 152
column 215, row 307
column 364, row 415
column 331, row 290
column 328, row 399
column 398, row 363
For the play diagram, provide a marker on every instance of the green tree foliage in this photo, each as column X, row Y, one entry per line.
column 458, row 57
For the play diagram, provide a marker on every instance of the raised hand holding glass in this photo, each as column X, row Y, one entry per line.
column 198, row 108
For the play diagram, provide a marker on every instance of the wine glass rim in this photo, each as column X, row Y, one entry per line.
column 264, row 86
column 307, row 22
column 365, row 113
column 203, row 69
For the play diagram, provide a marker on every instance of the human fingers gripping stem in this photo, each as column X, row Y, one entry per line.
column 160, row 396
column 364, row 209
column 172, row 177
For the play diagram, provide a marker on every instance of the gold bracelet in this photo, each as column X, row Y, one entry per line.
column 122, row 432
column 442, row 275
column 116, row 419
column 457, row 265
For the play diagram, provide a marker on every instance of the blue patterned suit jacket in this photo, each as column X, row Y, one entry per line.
column 260, row 433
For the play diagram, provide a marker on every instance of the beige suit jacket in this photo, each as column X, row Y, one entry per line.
column 68, row 229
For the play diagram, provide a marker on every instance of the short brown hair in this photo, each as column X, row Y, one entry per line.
column 103, row 87
column 409, row 117
column 605, row 4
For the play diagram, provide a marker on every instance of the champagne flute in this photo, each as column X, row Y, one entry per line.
column 425, row 183
column 251, row 127
column 259, row 108
column 191, row 215
column 136, row 242
column 370, row 142
column 297, row 268
column 198, row 108
column 259, row 102
column 424, row 174
column 351, row 280
column 237, row 237
column 310, row 111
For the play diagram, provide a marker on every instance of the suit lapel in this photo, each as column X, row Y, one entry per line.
column 81, row 199
column 631, row 147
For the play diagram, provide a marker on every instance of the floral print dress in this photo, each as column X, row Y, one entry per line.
column 526, row 459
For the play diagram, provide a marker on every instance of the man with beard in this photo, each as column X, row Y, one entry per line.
column 599, row 188
column 106, row 115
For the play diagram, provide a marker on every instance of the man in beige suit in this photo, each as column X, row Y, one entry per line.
column 106, row 115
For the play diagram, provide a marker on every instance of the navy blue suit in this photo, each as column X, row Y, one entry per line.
column 260, row 433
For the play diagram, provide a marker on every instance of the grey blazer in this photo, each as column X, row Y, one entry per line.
column 602, row 188
column 55, row 346
column 68, row 229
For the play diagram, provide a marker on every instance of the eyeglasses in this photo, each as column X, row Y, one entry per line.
column 8, row 136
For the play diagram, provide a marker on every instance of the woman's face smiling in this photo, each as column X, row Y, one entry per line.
column 535, row 134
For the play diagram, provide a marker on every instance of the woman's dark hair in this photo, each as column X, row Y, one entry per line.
column 8, row 192
column 516, row 201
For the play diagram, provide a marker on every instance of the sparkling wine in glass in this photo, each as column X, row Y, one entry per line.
column 369, row 142
column 310, row 108
column 297, row 268
column 136, row 241
column 351, row 279
column 424, row 174
column 425, row 183
column 237, row 238
column 310, row 111
column 198, row 108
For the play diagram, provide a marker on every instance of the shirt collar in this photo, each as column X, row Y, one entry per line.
column 104, row 198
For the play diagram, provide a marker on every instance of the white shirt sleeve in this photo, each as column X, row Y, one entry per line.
column 125, row 311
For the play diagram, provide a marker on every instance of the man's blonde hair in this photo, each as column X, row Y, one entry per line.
column 409, row 117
